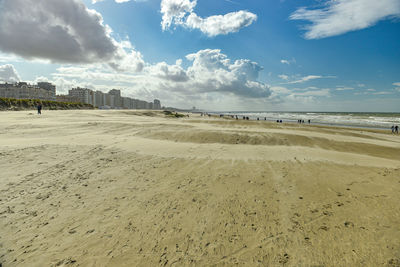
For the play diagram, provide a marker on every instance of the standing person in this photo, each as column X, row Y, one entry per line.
column 39, row 108
column 392, row 129
column 396, row 129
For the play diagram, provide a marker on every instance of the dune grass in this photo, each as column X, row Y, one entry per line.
column 23, row 104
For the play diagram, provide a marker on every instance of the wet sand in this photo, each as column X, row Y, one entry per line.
column 134, row 188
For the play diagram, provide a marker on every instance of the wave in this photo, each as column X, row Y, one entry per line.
column 373, row 120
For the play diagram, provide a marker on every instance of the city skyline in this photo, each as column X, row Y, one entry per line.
column 113, row 99
column 224, row 55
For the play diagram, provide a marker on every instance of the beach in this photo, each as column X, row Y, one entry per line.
column 138, row 188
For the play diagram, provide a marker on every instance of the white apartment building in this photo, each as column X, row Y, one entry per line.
column 112, row 99
column 22, row 90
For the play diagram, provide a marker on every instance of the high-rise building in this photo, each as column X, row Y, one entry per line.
column 117, row 97
column 49, row 87
column 110, row 101
column 99, row 99
column 156, row 104
column 83, row 94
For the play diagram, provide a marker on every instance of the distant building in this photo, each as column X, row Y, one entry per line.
column 83, row 94
column 99, row 99
column 111, row 100
column 156, row 104
column 23, row 90
column 127, row 103
column 49, row 87
column 67, row 98
column 117, row 98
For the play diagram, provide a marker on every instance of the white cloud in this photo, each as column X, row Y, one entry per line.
column 174, row 11
column 283, row 77
column 288, row 61
column 307, row 96
column 213, row 71
column 9, row 58
column 117, row 1
column 306, row 79
column 321, row 92
column 59, row 31
column 181, row 12
column 382, row 93
column 9, row 74
column 397, row 88
column 210, row 73
column 216, row 25
column 169, row 72
column 344, row 88
column 62, row 85
column 340, row 16
column 279, row 90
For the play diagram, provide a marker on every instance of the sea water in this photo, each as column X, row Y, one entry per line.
column 351, row 119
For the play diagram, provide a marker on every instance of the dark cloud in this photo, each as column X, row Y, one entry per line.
column 64, row 31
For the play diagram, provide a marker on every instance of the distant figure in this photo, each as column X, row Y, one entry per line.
column 302, row 121
column 309, row 121
column 258, row 118
column 265, row 118
column 244, row 117
column 247, row 118
column 39, row 108
column 280, row 121
column 277, row 121
column 396, row 129
column 236, row 117
column 392, row 129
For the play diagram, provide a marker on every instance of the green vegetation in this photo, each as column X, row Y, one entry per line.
column 172, row 114
column 23, row 104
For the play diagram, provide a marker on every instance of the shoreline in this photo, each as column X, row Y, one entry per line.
column 286, row 120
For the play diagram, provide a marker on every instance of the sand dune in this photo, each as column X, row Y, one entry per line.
column 134, row 188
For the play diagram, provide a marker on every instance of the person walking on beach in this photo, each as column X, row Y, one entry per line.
column 396, row 129
column 39, row 108
column 392, row 129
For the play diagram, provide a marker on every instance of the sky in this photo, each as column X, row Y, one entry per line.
column 221, row 55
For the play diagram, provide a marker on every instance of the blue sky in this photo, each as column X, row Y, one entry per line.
column 220, row 55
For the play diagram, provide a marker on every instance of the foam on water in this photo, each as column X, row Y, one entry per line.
column 373, row 120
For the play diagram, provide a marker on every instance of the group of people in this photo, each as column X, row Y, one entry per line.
column 205, row 114
column 247, row 118
column 395, row 129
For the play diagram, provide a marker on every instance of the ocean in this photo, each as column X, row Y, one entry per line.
column 349, row 119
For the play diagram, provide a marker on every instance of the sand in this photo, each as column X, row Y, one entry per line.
column 134, row 188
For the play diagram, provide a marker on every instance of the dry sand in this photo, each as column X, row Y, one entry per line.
column 133, row 188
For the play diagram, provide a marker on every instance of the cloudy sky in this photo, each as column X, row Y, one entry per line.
column 298, row 55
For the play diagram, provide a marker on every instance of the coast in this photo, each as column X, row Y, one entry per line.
column 138, row 188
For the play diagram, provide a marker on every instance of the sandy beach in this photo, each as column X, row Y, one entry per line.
column 135, row 188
